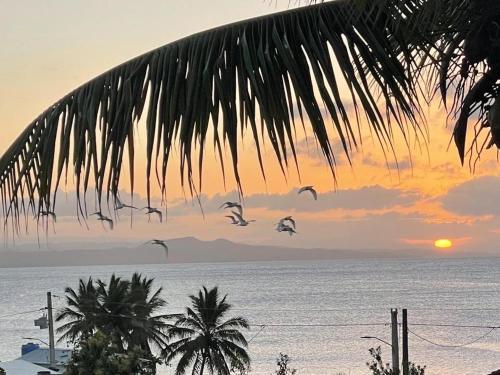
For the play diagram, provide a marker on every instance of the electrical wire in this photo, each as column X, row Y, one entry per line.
column 310, row 325
column 444, row 325
column 22, row 313
column 298, row 325
column 326, row 325
column 314, row 324
column 375, row 308
column 257, row 334
column 453, row 346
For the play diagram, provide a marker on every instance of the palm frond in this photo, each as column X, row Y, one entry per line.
column 263, row 75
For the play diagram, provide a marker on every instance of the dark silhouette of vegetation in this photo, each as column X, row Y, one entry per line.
column 283, row 364
column 240, row 368
column 126, row 312
column 98, row 355
column 204, row 340
column 378, row 367
column 392, row 57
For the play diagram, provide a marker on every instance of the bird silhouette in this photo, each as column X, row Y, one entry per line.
column 309, row 189
column 226, row 205
column 233, row 220
column 286, row 228
column 152, row 210
column 241, row 221
column 103, row 218
column 120, row 206
column 161, row 243
column 290, row 220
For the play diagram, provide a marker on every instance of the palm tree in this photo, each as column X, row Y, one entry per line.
column 116, row 314
column 147, row 327
column 267, row 74
column 125, row 311
column 82, row 311
column 203, row 340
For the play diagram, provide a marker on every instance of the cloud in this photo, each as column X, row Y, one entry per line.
column 366, row 198
column 373, row 161
column 478, row 197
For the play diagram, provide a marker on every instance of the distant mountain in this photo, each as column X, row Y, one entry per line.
column 182, row 250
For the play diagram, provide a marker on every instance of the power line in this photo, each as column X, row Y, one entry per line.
column 257, row 334
column 325, row 325
column 320, row 325
column 453, row 346
column 444, row 325
column 254, row 324
column 375, row 308
column 22, row 313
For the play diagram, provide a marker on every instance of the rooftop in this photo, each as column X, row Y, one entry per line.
column 40, row 356
column 20, row 367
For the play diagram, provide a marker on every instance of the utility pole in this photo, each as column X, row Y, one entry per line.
column 406, row 366
column 52, row 350
column 395, row 341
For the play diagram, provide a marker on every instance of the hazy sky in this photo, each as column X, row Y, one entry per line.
column 50, row 47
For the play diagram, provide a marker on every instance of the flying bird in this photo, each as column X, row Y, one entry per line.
column 290, row 220
column 286, row 228
column 226, row 205
column 107, row 219
column 152, row 210
column 159, row 243
column 101, row 217
column 309, row 189
column 120, row 206
column 233, row 220
column 241, row 221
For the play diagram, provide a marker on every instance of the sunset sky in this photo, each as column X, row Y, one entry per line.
column 51, row 47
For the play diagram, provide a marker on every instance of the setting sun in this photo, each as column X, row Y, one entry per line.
column 443, row 243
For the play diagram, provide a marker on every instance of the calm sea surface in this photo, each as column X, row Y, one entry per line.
column 315, row 312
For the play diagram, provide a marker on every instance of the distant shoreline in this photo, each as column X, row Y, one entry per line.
column 191, row 250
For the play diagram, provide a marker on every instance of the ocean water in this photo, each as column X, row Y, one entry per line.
column 315, row 312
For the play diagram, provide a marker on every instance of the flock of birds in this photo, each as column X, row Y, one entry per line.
column 285, row 225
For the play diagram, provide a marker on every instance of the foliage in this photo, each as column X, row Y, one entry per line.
column 83, row 311
column 126, row 311
column 283, row 362
column 204, row 340
column 265, row 75
column 376, row 364
column 240, row 368
column 2, row 371
column 98, row 355
column 378, row 367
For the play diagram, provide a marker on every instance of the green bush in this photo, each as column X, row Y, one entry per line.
column 99, row 356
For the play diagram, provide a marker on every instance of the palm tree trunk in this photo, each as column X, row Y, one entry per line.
column 203, row 362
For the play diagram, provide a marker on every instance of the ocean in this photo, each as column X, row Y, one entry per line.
column 316, row 312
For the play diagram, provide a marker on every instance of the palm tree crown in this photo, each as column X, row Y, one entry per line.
column 204, row 340
column 335, row 63
column 81, row 313
column 125, row 311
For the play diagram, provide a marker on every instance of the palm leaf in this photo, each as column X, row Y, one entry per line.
column 261, row 74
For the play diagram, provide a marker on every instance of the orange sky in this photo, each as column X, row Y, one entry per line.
column 50, row 48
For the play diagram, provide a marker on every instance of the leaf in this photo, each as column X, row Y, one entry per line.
column 267, row 70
